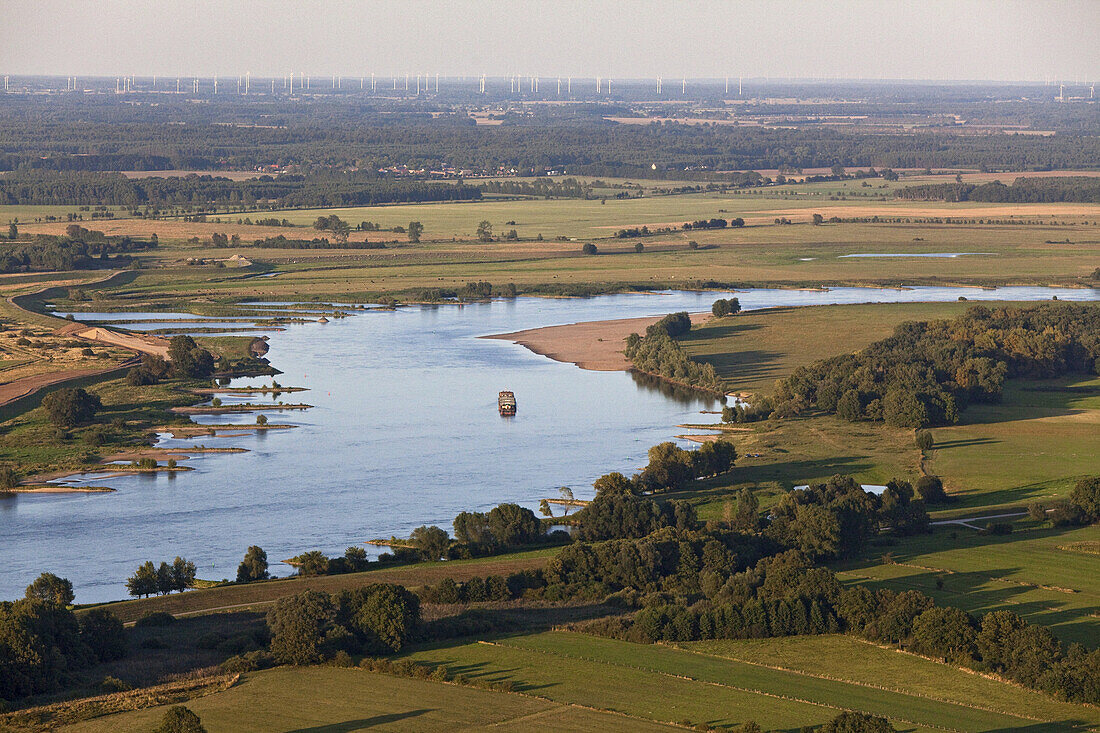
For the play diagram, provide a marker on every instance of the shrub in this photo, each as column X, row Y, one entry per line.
column 249, row 662
column 179, row 719
column 114, row 684
column 299, row 626
column 210, row 640
column 253, row 566
column 49, row 587
column 432, row 542
column 924, row 440
column 9, row 478
column 930, row 489
column 1086, row 497
column 188, row 359
column 850, row 722
column 102, row 631
column 725, row 307
column 511, row 524
column 998, row 528
column 157, row 618
column 313, row 562
column 68, row 407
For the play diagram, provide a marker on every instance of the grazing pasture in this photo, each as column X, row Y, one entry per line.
column 296, row 699
column 1034, row 572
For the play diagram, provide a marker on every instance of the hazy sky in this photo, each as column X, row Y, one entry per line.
column 910, row 39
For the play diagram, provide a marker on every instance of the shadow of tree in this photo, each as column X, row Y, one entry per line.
column 348, row 726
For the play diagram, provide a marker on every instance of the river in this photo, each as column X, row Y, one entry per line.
column 404, row 431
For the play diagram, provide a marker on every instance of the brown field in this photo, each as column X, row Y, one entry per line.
column 945, row 211
column 176, row 229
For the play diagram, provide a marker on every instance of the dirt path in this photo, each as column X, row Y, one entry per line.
column 143, row 344
column 27, row 386
column 594, row 345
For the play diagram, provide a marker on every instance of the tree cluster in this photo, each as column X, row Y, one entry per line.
column 68, row 407
column 188, row 359
column 837, row 518
column 659, row 354
column 150, row 579
column 725, row 307
column 480, row 590
column 42, row 644
column 281, row 242
column 77, row 249
column 310, row 626
column 928, row 371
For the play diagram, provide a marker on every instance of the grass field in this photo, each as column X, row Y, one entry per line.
column 259, row 595
column 1032, row 446
column 845, row 658
column 663, row 683
column 333, row 700
column 1028, row 572
column 36, row 446
column 753, row 349
column 599, row 218
column 570, row 681
column 774, row 456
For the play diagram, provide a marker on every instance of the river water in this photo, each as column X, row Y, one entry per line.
column 404, row 431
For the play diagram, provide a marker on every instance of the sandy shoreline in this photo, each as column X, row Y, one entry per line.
column 593, row 345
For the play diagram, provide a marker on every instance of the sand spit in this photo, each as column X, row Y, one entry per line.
column 593, row 345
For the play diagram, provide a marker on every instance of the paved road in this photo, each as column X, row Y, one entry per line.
column 966, row 521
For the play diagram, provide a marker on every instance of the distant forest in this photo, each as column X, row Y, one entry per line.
column 103, row 135
column 32, row 186
column 1074, row 189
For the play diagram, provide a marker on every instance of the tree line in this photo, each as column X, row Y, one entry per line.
column 1071, row 189
column 657, row 353
column 578, row 143
column 77, row 249
column 927, row 372
column 325, row 188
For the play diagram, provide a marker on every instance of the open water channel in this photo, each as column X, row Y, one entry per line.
column 404, row 431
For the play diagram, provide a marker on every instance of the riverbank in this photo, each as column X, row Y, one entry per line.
column 593, row 345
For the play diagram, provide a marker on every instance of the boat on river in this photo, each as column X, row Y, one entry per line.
column 506, row 403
